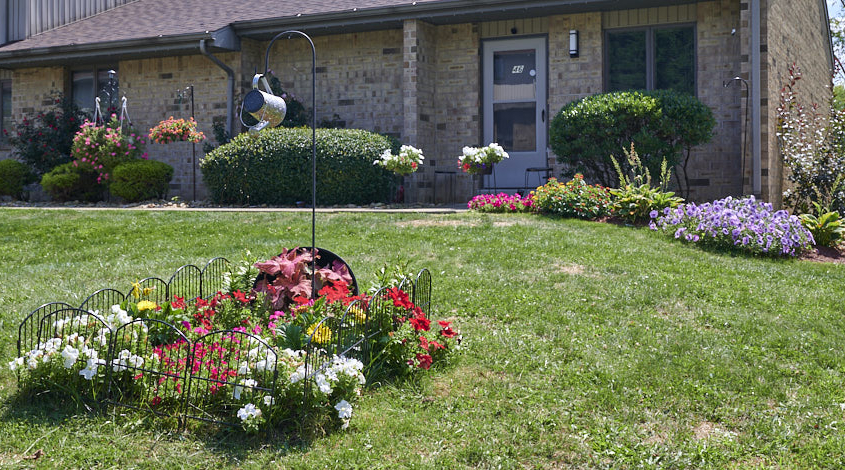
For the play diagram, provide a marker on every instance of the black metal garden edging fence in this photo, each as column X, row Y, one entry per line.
column 140, row 374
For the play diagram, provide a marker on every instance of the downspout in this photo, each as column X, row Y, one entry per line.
column 230, row 89
column 756, row 132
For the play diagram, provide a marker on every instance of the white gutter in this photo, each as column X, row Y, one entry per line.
column 756, row 132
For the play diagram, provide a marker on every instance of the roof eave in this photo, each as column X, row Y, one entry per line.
column 447, row 12
column 114, row 50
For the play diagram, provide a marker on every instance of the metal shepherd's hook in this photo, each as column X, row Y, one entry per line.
column 270, row 107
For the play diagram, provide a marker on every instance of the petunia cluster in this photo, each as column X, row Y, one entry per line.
column 103, row 147
column 501, row 203
column 746, row 224
column 480, row 159
column 407, row 162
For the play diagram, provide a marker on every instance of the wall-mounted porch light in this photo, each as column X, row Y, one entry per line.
column 573, row 43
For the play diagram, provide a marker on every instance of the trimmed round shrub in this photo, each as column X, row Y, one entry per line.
column 661, row 124
column 14, row 175
column 141, row 180
column 274, row 167
column 68, row 182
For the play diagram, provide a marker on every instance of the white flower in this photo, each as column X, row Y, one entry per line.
column 52, row 345
column 102, row 337
column 135, row 361
column 344, row 409
column 269, row 400
column 243, row 368
column 322, row 384
column 70, row 354
column 87, row 373
column 15, row 363
column 298, row 375
column 249, row 411
column 32, row 363
column 71, row 338
column 240, row 388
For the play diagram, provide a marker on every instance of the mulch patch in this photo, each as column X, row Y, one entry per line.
column 825, row 255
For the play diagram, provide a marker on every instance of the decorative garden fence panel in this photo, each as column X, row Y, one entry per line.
column 151, row 365
column 148, row 365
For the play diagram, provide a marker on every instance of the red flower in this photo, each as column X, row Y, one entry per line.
column 421, row 323
column 444, row 324
column 424, row 342
column 178, row 302
column 424, row 361
column 138, row 376
column 448, row 332
column 238, row 295
column 436, row 345
column 400, row 298
column 155, row 401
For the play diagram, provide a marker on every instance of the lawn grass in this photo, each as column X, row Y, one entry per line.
column 586, row 345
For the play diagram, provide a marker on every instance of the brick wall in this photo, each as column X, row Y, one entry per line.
column 5, row 150
column 715, row 168
column 152, row 88
column 793, row 32
column 359, row 76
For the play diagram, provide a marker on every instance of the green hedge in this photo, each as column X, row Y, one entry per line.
column 67, row 182
column 141, row 180
column 14, row 175
column 274, row 167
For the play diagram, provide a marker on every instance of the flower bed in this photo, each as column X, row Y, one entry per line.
column 244, row 345
column 746, row 224
column 501, row 203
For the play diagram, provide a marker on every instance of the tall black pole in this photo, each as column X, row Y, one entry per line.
column 193, row 149
column 313, row 146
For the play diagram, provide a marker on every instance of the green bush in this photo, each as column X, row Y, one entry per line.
column 274, row 167
column 141, row 180
column 69, row 182
column 14, row 175
column 574, row 198
column 662, row 124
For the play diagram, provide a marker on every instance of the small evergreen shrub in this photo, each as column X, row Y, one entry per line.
column 575, row 198
column 274, row 167
column 69, row 182
column 141, row 180
column 14, row 175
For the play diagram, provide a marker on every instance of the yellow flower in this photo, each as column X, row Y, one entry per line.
column 358, row 314
column 323, row 334
column 146, row 305
column 148, row 290
column 136, row 290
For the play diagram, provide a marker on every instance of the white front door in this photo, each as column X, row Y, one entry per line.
column 515, row 108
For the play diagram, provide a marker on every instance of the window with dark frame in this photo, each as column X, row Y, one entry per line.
column 87, row 84
column 6, row 108
column 652, row 58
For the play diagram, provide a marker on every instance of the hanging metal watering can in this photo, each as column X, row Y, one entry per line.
column 267, row 108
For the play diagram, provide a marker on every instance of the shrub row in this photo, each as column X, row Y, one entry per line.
column 274, row 167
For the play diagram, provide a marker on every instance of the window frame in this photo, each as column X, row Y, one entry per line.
column 649, row 53
column 95, row 70
column 4, row 83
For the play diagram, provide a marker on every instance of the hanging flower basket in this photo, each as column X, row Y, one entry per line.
column 480, row 161
column 176, row 130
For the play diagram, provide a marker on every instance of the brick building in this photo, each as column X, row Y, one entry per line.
column 438, row 74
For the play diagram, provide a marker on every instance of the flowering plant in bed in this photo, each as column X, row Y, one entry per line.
column 575, row 198
column 407, row 162
column 501, row 203
column 475, row 160
column 745, row 224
